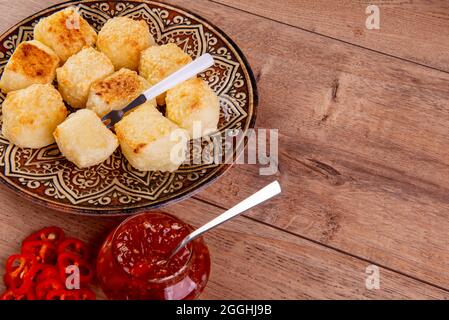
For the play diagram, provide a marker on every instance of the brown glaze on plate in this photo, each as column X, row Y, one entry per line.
column 114, row 187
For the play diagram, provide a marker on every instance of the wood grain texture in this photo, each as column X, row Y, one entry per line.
column 12, row 14
column 363, row 158
column 249, row 260
column 415, row 30
column 363, row 166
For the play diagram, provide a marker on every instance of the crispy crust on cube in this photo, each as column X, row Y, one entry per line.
column 145, row 138
column 115, row 91
column 193, row 101
column 158, row 62
column 66, row 32
column 79, row 72
column 31, row 63
column 31, row 115
column 122, row 39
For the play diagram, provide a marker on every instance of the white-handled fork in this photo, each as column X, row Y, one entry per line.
column 188, row 71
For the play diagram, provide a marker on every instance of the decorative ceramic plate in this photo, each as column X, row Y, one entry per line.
column 114, row 187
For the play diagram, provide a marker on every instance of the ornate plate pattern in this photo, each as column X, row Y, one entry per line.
column 114, row 187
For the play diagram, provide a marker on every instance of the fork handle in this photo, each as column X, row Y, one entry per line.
column 188, row 71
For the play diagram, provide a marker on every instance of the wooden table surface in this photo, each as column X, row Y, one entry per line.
column 363, row 119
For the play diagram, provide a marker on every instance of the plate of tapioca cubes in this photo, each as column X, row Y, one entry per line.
column 69, row 64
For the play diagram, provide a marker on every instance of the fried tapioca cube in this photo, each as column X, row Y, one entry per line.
column 115, row 91
column 79, row 72
column 193, row 106
column 122, row 39
column 31, row 115
column 150, row 141
column 66, row 32
column 31, row 63
column 158, row 62
column 84, row 140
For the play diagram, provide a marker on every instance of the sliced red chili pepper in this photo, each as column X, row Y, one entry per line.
column 53, row 234
column 62, row 294
column 7, row 280
column 85, row 294
column 46, row 272
column 20, row 270
column 70, row 259
column 44, row 251
column 79, row 294
column 11, row 295
column 75, row 246
column 44, row 287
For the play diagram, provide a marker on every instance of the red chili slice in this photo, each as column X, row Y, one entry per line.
column 46, row 272
column 80, row 294
column 44, row 251
column 11, row 295
column 69, row 259
column 44, row 287
column 20, row 270
column 7, row 280
column 53, row 234
column 62, row 294
column 75, row 246
column 86, row 294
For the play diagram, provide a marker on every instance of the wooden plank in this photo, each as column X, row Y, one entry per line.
column 14, row 13
column 364, row 168
column 245, row 255
column 413, row 30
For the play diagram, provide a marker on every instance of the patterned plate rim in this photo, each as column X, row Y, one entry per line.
column 187, row 193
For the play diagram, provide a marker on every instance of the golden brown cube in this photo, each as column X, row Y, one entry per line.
column 66, row 32
column 193, row 106
column 150, row 141
column 79, row 72
column 115, row 91
column 84, row 140
column 31, row 115
column 158, row 62
column 122, row 39
column 31, row 63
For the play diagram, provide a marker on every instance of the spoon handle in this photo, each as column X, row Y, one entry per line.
column 260, row 196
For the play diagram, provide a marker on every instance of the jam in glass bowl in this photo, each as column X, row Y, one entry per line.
column 133, row 262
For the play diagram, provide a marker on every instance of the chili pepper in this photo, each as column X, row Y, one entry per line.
column 75, row 246
column 20, row 269
column 70, row 259
column 54, row 235
column 45, row 286
column 61, row 294
column 7, row 280
column 11, row 295
column 45, row 272
column 40, row 270
column 79, row 294
column 44, row 251
column 85, row 294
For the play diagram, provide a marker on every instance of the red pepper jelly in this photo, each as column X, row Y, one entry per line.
column 133, row 261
